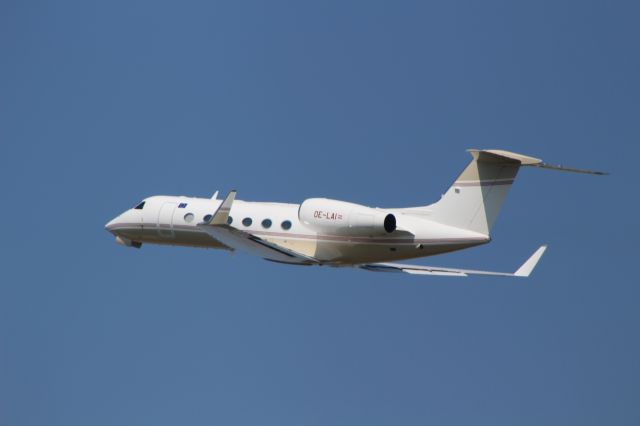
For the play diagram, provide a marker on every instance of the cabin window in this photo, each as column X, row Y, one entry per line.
column 188, row 217
column 266, row 223
column 247, row 221
column 207, row 218
column 229, row 220
column 139, row 206
column 286, row 225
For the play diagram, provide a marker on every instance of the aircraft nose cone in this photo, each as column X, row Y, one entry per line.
column 111, row 224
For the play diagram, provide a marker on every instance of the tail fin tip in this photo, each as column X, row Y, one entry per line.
column 524, row 160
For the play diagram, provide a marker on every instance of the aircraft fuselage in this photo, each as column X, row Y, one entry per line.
column 174, row 220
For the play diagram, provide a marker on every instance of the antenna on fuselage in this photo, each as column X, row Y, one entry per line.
column 215, row 195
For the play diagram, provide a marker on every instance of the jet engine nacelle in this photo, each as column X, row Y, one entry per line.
column 341, row 217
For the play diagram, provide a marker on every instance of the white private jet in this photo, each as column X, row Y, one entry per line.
column 321, row 231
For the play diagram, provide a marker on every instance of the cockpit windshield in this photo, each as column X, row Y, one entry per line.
column 139, row 206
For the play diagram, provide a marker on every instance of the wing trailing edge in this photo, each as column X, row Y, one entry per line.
column 523, row 271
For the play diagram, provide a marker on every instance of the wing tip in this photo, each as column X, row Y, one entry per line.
column 529, row 265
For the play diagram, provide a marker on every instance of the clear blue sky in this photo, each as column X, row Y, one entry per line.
column 105, row 103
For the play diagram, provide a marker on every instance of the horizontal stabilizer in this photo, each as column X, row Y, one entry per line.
column 535, row 162
column 569, row 169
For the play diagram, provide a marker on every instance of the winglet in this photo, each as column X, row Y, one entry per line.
column 222, row 214
column 527, row 267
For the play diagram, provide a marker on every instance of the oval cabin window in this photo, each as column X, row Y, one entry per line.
column 286, row 225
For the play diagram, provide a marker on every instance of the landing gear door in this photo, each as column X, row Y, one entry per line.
column 165, row 220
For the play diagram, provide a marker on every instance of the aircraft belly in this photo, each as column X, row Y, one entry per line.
column 181, row 237
column 133, row 233
column 349, row 253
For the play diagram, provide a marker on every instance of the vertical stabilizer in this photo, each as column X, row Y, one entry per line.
column 475, row 198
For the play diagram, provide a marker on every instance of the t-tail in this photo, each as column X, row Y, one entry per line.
column 475, row 198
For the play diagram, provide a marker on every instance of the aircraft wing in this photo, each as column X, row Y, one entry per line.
column 524, row 270
column 237, row 239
